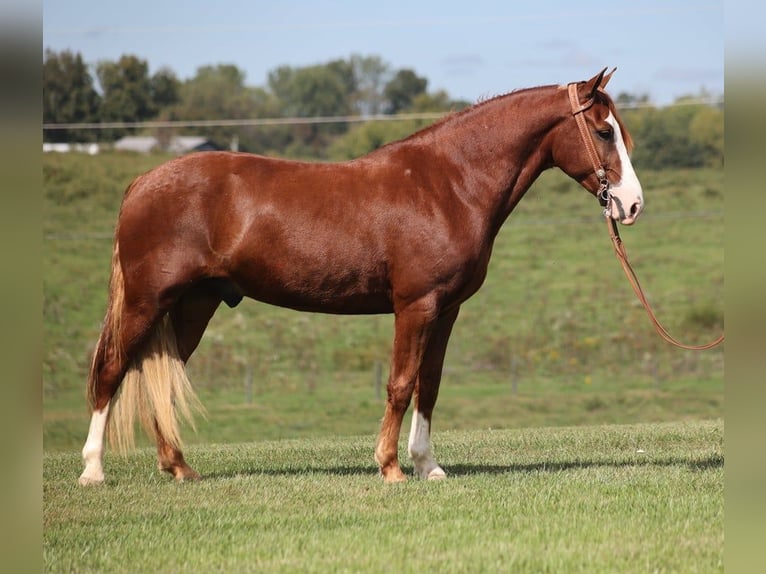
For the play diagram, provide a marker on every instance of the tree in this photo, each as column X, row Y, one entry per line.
column 665, row 137
column 127, row 93
column 706, row 133
column 68, row 96
column 403, row 88
column 312, row 91
column 369, row 136
column 371, row 74
column 627, row 100
column 165, row 89
column 216, row 93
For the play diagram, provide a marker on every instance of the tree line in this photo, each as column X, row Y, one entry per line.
column 124, row 91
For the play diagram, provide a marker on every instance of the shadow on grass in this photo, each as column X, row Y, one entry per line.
column 708, row 463
column 711, row 462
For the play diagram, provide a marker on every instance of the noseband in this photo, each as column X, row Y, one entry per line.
column 599, row 168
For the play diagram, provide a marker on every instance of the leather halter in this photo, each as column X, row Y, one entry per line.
column 605, row 199
column 599, row 168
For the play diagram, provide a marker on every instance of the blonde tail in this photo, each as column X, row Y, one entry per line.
column 154, row 389
column 108, row 344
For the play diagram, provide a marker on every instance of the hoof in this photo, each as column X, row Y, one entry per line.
column 184, row 473
column 90, row 480
column 190, row 475
column 393, row 475
column 180, row 471
column 437, row 474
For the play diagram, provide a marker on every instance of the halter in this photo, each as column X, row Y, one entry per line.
column 605, row 199
column 599, row 168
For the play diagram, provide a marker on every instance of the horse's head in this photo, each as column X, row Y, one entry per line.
column 592, row 147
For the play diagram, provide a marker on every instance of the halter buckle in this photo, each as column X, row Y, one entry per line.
column 605, row 198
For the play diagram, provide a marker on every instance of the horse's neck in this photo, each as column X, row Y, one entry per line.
column 501, row 146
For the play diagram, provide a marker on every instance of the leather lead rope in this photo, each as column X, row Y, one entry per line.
column 622, row 256
column 614, row 234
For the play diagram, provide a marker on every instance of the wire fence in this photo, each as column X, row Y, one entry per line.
column 317, row 120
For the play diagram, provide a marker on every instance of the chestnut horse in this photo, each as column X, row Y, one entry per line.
column 407, row 229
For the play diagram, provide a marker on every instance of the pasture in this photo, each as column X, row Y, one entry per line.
column 624, row 498
column 554, row 338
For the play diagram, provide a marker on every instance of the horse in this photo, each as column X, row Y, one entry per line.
column 407, row 229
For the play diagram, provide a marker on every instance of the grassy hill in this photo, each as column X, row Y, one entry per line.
column 554, row 337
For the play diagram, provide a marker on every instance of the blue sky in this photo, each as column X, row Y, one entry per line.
column 472, row 49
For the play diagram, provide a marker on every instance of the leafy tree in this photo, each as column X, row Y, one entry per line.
column 127, row 93
column 628, row 100
column 402, row 89
column 320, row 90
column 68, row 96
column 372, row 74
column 215, row 92
column 165, row 89
column 264, row 139
column 706, row 133
column 435, row 102
column 685, row 134
column 368, row 136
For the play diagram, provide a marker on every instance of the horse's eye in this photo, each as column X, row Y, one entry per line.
column 606, row 134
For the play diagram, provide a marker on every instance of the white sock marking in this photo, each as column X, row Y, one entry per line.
column 419, row 448
column 93, row 451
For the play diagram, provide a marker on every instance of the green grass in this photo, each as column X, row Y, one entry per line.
column 623, row 498
column 553, row 339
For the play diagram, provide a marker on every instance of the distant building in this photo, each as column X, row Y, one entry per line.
column 177, row 144
column 89, row 148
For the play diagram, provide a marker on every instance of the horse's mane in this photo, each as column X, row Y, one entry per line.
column 455, row 114
column 480, row 103
column 601, row 96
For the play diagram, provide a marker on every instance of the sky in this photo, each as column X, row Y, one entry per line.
column 473, row 49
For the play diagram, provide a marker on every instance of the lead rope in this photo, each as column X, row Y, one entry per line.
column 605, row 197
column 622, row 256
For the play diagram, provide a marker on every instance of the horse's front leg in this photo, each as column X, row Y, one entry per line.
column 412, row 328
column 426, row 392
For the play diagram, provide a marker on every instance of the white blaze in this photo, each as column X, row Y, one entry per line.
column 627, row 192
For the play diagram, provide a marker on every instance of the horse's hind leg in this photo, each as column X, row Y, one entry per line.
column 190, row 316
column 107, row 370
column 426, row 392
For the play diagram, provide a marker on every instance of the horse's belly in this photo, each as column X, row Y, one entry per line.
column 318, row 289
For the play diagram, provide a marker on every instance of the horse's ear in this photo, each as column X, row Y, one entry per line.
column 605, row 79
column 587, row 90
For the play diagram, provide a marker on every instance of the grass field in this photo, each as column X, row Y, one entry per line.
column 622, row 498
column 575, row 439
